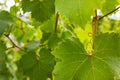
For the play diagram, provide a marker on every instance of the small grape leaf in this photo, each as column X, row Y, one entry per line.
column 5, row 21
column 37, row 67
column 76, row 64
column 41, row 10
column 78, row 11
column 48, row 26
column 26, row 34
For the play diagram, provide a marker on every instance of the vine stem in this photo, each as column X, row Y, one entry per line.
column 94, row 27
column 14, row 45
column 94, row 24
column 109, row 13
column 56, row 22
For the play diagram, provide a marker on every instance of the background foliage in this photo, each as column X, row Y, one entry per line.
column 53, row 40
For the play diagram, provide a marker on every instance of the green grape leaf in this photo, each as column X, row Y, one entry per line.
column 66, row 34
column 45, row 36
column 53, row 40
column 41, row 10
column 14, row 10
column 2, row 56
column 109, row 5
column 5, row 21
column 3, row 77
column 23, row 35
column 38, row 67
column 4, row 73
column 78, row 11
column 34, row 44
column 48, row 26
column 76, row 64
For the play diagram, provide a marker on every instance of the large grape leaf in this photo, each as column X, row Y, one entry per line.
column 37, row 67
column 5, row 21
column 74, row 63
column 53, row 40
column 78, row 11
column 2, row 56
column 4, row 73
column 109, row 5
column 41, row 9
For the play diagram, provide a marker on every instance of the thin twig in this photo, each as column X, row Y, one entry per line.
column 14, row 45
column 56, row 22
column 109, row 13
